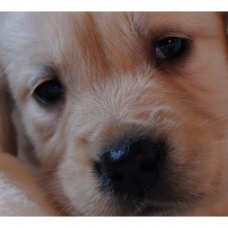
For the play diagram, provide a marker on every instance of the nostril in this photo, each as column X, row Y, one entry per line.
column 116, row 177
column 147, row 166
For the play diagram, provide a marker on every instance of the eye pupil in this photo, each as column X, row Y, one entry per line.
column 170, row 47
column 49, row 92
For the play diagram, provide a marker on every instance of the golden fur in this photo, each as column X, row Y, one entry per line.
column 114, row 85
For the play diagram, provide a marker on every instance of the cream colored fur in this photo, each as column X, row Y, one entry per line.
column 113, row 85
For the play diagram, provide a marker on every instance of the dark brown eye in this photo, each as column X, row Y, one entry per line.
column 170, row 47
column 49, row 92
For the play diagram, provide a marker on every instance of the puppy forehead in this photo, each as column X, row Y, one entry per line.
column 92, row 28
column 189, row 22
column 88, row 32
column 111, row 23
column 94, row 42
column 125, row 24
column 102, row 34
column 122, row 25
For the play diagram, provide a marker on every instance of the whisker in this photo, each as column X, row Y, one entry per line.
column 212, row 144
column 215, row 117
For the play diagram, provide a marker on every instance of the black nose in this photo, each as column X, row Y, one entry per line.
column 130, row 169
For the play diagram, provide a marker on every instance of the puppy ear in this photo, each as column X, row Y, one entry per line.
column 7, row 130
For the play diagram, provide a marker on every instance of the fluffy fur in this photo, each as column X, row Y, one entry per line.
column 114, row 86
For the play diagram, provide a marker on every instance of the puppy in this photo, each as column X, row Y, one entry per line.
column 125, row 113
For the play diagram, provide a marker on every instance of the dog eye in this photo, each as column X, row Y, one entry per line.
column 170, row 47
column 49, row 92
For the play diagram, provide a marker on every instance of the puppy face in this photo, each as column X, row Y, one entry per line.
column 126, row 112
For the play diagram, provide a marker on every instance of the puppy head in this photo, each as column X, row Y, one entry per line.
column 125, row 111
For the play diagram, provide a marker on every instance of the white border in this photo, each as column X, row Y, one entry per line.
column 114, row 222
column 113, row 5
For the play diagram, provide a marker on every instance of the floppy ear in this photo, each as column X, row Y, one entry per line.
column 7, row 130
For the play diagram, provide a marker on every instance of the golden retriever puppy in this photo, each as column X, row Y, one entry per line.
column 125, row 113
